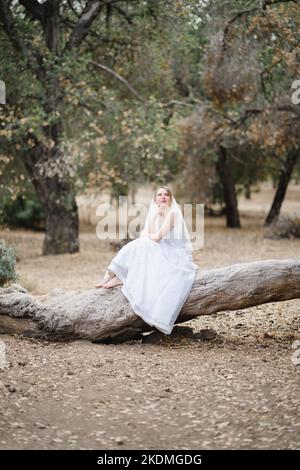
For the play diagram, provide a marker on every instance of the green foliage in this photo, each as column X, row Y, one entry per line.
column 111, row 139
column 25, row 211
column 7, row 263
column 130, row 143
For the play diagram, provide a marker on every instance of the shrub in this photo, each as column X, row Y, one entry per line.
column 7, row 263
column 284, row 227
column 25, row 212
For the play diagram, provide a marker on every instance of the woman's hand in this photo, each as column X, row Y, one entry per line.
column 154, row 236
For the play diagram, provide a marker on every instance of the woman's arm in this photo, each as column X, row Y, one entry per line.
column 165, row 228
column 150, row 229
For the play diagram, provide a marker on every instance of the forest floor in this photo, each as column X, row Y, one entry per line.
column 237, row 390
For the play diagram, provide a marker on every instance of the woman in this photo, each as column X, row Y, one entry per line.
column 156, row 269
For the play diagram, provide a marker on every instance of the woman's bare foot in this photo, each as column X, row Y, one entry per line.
column 107, row 277
column 115, row 281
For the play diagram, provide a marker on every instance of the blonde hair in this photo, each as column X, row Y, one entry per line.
column 169, row 192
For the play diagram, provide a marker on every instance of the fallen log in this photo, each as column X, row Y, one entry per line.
column 102, row 315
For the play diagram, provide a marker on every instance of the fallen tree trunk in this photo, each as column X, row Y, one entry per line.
column 106, row 315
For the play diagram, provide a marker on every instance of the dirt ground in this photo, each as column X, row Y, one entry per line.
column 238, row 390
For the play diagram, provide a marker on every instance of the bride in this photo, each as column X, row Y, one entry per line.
column 156, row 270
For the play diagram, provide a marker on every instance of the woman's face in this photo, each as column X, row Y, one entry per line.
column 162, row 198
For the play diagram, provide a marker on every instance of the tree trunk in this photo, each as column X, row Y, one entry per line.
column 56, row 192
column 62, row 223
column 44, row 163
column 106, row 315
column 283, row 182
column 224, row 171
column 247, row 190
column 58, row 199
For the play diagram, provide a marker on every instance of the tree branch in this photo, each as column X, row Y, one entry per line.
column 118, row 77
column 86, row 19
column 264, row 5
column 8, row 22
column 123, row 13
column 34, row 8
column 88, row 16
column 101, row 315
column 268, row 3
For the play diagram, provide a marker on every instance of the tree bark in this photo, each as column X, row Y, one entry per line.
column 105, row 315
column 57, row 196
column 62, row 222
column 224, row 171
column 283, row 182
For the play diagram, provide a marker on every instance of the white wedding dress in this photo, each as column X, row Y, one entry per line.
column 157, row 278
